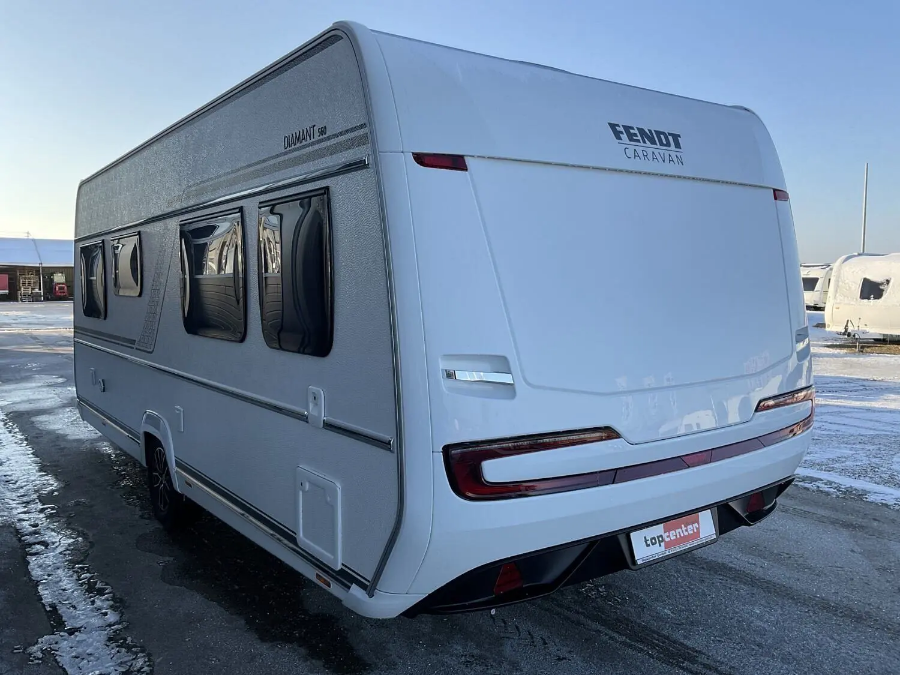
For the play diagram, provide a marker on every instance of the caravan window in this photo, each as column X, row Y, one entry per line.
column 127, row 265
column 809, row 283
column 93, row 280
column 295, row 279
column 873, row 289
column 212, row 277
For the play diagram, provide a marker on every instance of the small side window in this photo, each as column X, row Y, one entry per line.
column 809, row 283
column 93, row 280
column 873, row 289
column 127, row 265
column 295, row 276
column 212, row 277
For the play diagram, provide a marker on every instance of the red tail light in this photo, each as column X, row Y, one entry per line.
column 790, row 398
column 781, row 196
column 433, row 161
column 509, row 579
column 464, row 462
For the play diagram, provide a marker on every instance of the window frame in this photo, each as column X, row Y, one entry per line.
column 884, row 286
column 240, row 275
column 84, row 272
column 115, row 265
column 328, row 262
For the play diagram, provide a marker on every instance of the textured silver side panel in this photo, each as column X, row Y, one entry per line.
column 250, row 450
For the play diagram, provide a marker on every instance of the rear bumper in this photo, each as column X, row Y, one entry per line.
column 544, row 572
column 468, row 535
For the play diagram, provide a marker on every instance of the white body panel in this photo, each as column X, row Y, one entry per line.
column 614, row 255
column 816, row 281
column 864, row 296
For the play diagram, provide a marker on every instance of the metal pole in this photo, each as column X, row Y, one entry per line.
column 865, row 199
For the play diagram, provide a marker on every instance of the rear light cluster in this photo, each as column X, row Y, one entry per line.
column 435, row 161
column 781, row 196
column 790, row 398
column 464, row 460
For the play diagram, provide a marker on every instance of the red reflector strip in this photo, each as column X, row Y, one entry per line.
column 464, row 461
column 434, row 161
column 790, row 398
column 781, row 196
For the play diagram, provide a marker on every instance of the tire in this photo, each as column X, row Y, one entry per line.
column 171, row 508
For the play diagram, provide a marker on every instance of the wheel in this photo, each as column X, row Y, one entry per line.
column 171, row 508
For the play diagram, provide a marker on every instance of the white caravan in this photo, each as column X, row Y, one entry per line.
column 816, row 280
column 385, row 308
column 865, row 296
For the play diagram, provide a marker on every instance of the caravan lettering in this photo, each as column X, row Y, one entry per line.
column 663, row 147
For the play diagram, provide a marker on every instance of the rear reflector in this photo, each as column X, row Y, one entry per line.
column 757, row 502
column 790, row 398
column 781, row 196
column 509, row 579
column 433, row 161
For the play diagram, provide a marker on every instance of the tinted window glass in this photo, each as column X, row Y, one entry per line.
column 127, row 265
column 212, row 277
column 873, row 289
column 93, row 281
column 809, row 283
column 295, row 275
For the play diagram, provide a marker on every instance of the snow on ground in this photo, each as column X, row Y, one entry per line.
column 88, row 626
column 856, row 438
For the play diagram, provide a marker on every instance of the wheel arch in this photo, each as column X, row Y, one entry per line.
column 155, row 427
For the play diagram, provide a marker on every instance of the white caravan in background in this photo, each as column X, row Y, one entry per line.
column 816, row 280
column 383, row 308
column 865, row 296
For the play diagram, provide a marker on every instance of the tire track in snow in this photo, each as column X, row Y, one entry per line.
column 88, row 627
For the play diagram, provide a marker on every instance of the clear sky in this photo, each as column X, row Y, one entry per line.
column 81, row 83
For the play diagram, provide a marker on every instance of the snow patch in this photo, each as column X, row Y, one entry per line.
column 88, row 637
column 47, row 392
column 872, row 492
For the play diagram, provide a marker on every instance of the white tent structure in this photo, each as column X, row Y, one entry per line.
column 864, row 297
column 816, row 279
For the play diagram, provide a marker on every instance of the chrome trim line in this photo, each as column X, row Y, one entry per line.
column 258, row 519
column 371, row 438
column 478, row 376
column 350, row 431
column 111, row 421
column 308, row 177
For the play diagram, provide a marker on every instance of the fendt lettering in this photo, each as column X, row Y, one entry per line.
column 640, row 135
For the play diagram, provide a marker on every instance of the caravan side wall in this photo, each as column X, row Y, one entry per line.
column 234, row 412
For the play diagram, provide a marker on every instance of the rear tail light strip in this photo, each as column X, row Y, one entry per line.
column 463, row 461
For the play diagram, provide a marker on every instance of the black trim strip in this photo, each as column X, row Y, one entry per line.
column 111, row 421
column 264, row 160
column 331, row 425
column 108, row 337
column 293, row 181
column 285, row 536
column 295, row 58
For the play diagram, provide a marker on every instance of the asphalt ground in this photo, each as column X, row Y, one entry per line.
column 89, row 582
